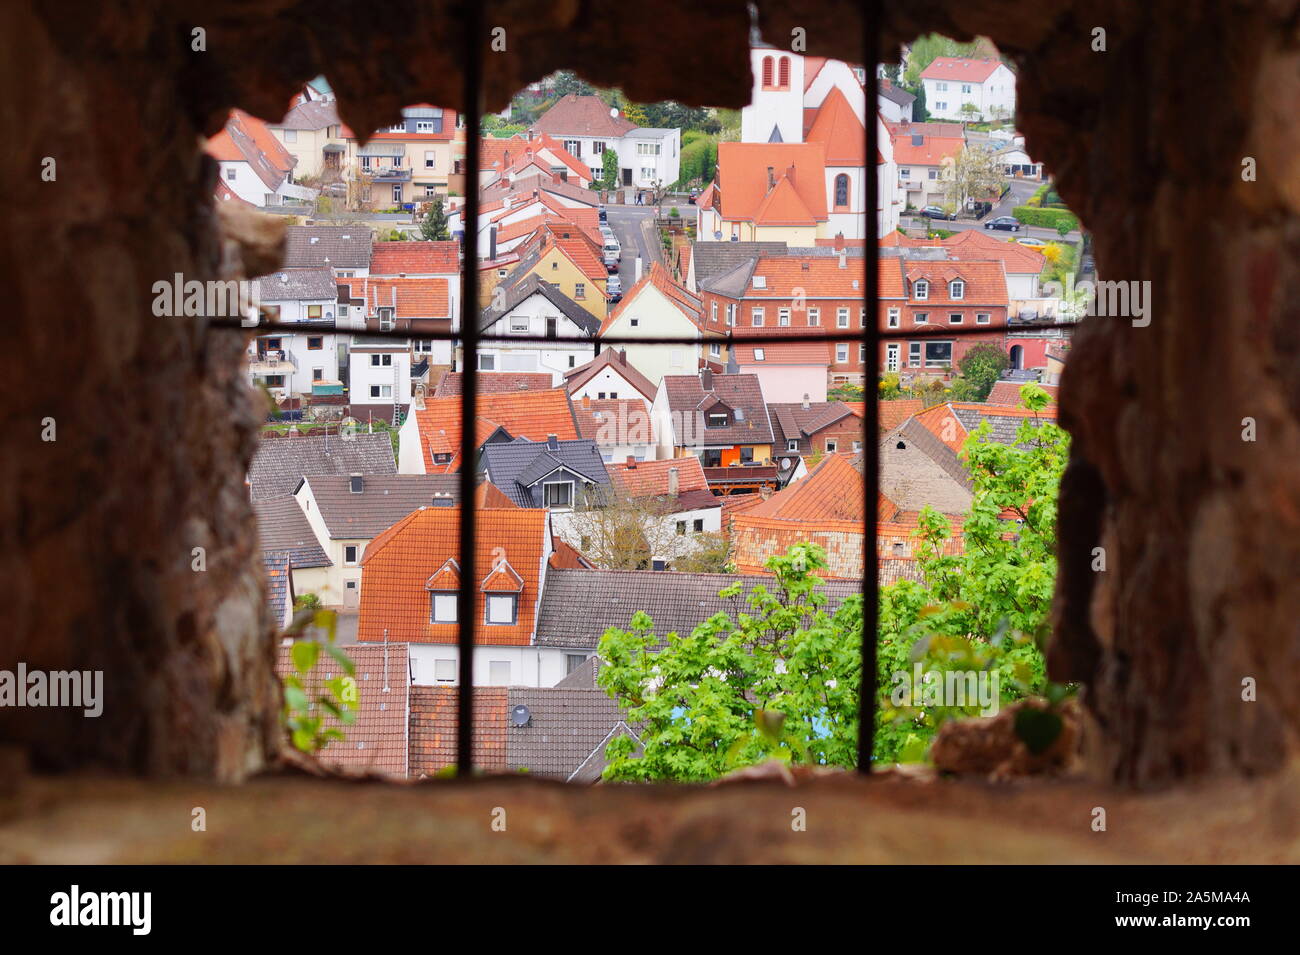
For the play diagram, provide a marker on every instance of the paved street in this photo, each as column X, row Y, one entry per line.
column 1021, row 190
column 630, row 224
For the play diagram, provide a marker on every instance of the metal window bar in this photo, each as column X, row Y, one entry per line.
column 470, row 337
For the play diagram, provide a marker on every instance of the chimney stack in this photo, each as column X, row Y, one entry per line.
column 631, row 463
column 492, row 244
column 586, row 401
column 672, row 482
column 622, row 356
column 706, row 379
column 839, row 241
column 806, row 403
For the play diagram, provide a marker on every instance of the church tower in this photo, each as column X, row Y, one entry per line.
column 775, row 112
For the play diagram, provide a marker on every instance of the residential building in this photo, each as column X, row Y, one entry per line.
column 941, row 296
column 895, row 103
column 721, row 419
column 622, row 428
column 284, row 531
column 535, row 310
column 281, row 462
column 568, row 260
column 430, row 438
column 585, row 128
column 788, row 371
column 814, row 428
column 253, row 165
column 679, row 492
column 610, row 376
column 312, row 133
column 288, row 363
column 972, row 90
column 411, row 161
column 561, row 476
column 494, row 382
column 924, row 154
column 658, row 307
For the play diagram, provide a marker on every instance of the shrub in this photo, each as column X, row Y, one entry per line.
column 1046, row 218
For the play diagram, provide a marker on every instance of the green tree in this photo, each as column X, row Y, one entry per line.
column 980, row 368
column 609, row 170
column 434, row 224
column 984, row 609
column 925, row 49
column 566, row 82
column 776, row 678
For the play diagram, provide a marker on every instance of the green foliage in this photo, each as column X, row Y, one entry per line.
column 846, row 392
column 307, row 602
column 699, row 161
column 609, row 170
column 316, row 709
column 1046, row 218
column 716, row 699
column 985, row 609
column 980, row 368
column 433, row 226
column 925, row 49
column 710, row 556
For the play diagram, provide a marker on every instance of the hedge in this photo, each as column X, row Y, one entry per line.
column 1045, row 218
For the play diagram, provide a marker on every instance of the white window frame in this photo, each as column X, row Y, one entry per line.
column 921, row 290
column 546, row 494
column 842, row 317
column 894, row 318
column 956, row 289
column 757, row 317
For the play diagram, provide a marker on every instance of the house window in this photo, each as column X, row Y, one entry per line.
column 315, row 342
column 572, row 661
column 598, row 148
column 444, row 671
column 717, row 419
column 499, row 673
column 573, row 362
column 792, row 444
column 921, row 289
column 831, row 445
column 424, row 125
column 313, row 311
column 558, row 494
column 397, row 192
column 232, row 173
column 893, row 320
column 519, row 324
column 731, row 314
column 955, row 318
column 317, row 374
column 381, row 391
column 350, row 555
column 932, row 174
column 767, row 71
column 965, row 87
column 573, row 147
column 681, row 528
column 487, row 362
column 814, row 316
column 982, row 318
column 938, row 354
column 862, row 318
column 715, row 350
column 841, row 352
column 841, row 318
column 914, row 354
column 760, row 354
column 442, row 607
column 386, row 320
column 862, row 354
column 713, row 311
column 698, row 526
column 784, row 80
column 756, row 317
column 783, row 317
column 921, row 318
column 501, row 609
column 378, row 360
column 956, row 289
column 841, row 191
column 904, row 173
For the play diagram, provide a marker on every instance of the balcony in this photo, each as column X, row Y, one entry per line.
column 272, row 362
column 390, row 174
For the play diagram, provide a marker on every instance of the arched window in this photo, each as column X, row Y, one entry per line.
column 767, row 71
column 841, row 190
column 784, row 81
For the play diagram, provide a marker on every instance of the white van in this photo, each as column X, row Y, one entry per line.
column 612, row 252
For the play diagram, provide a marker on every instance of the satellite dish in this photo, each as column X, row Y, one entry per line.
column 519, row 716
column 613, row 111
column 785, row 464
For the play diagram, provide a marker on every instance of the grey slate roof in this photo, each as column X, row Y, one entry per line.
column 897, row 95
column 282, row 526
column 338, row 246
column 923, row 471
column 311, row 114
column 276, row 564
column 515, row 466
column 280, row 463
column 291, row 285
column 731, row 283
column 714, row 258
column 676, row 603
column 384, row 500
column 533, row 285
column 566, row 734
column 1003, row 427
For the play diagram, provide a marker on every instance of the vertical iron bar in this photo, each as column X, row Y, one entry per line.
column 871, row 396
column 465, row 610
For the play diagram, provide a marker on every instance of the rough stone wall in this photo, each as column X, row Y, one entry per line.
column 155, row 427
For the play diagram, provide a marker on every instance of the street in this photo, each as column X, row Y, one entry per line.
column 1021, row 190
column 630, row 224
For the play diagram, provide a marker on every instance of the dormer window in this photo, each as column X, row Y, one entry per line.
column 442, row 606
column 956, row 289
column 921, row 289
column 502, row 609
column 717, row 419
column 557, row 494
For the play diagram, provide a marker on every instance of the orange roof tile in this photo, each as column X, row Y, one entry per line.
column 527, row 414
column 398, row 564
column 832, row 491
column 662, row 280
column 783, row 206
column 839, row 130
column 415, row 257
column 743, row 176
column 650, row 478
column 977, row 244
column 434, row 727
column 413, row 298
column 986, row 281
column 960, row 68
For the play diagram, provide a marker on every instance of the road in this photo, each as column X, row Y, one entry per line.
column 1021, row 190
column 631, row 224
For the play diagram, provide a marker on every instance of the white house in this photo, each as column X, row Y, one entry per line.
column 253, row 164
column 954, row 83
column 534, row 310
column 586, row 128
column 687, row 507
column 657, row 307
column 379, row 373
column 288, row 363
column 609, row 376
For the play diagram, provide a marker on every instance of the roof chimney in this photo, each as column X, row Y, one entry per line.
column 806, row 404
column 631, row 463
column 552, row 443
column 706, row 379
column 839, row 240
column 844, row 259
column 492, row 244
column 771, row 178
column 586, row 401
column 622, row 356
column 672, row 482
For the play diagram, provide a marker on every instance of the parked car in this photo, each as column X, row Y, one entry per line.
column 693, row 196
column 1030, row 241
column 614, row 287
column 600, row 211
column 934, row 212
column 1006, row 223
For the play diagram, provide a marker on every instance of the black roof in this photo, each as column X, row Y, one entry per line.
column 516, row 466
column 533, row 285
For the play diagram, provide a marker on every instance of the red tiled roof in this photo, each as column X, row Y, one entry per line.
column 1008, row 392
column 566, row 557
column 629, row 418
column 531, row 414
column 650, row 478
column 783, row 206
column 416, row 257
column 931, row 151
column 495, row 382
column 247, row 139
column 414, row 298
column 986, row 282
column 616, row 360
column 434, row 711
column 399, row 562
column 977, row 244
column 777, row 352
column 960, row 68
column 832, row 491
column 662, row 280
column 839, row 130
column 582, row 116
column 821, row 277
column 743, row 176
